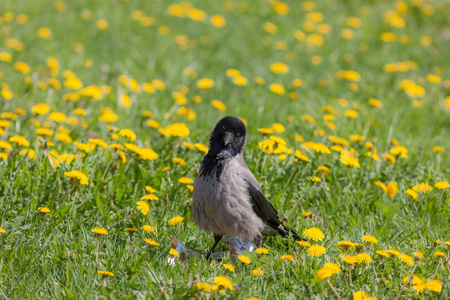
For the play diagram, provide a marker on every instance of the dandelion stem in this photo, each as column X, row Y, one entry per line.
column 410, row 277
column 333, row 289
column 96, row 252
column 350, row 274
column 110, row 162
column 440, row 198
column 263, row 164
column 150, row 218
column 297, row 203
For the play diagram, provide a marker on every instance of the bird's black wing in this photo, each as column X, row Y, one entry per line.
column 265, row 210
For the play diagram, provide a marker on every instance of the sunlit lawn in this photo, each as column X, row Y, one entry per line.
column 105, row 114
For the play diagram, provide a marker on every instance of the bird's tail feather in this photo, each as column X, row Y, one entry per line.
column 285, row 232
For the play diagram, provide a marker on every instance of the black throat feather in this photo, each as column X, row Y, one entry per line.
column 216, row 162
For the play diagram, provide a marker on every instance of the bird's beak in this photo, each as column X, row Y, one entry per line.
column 227, row 138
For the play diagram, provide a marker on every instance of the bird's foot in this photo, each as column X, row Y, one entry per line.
column 258, row 240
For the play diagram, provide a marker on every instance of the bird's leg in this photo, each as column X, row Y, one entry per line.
column 217, row 239
column 258, row 240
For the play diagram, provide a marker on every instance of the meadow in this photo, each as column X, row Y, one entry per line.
column 105, row 113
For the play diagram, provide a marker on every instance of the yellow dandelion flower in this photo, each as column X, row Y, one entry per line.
column 369, row 239
column 287, row 257
column 205, row 83
column 99, row 230
column 223, row 281
column 175, row 220
column 102, row 24
column 179, row 161
column 232, row 72
column 314, row 179
column 412, row 193
column 148, row 228
column 240, row 80
column 176, row 129
column 206, row 287
column 5, row 145
column 349, row 161
column 303, row 244
column 86, row 148
column 439, row 254
column 202, row 147
column 324, row 273
column 420, row 287
column 174, row 252
column 128, row 134
column 345, row 245
column 22, row 67
column 147, row 154
column 406, row 259
column 244, row 259
column 442, row 185
column 382, row 253
column 258, row 272
column 149, row 197
column 149, row 189
column 5, row 56
column 2, row 230
column 217, row 104
column 58, row 117
column 314, row 234
column 321, row 148
column 281, row 8
column 438, row 149
column 5, row 124
column 375, row 103
column 323, row 169
column 105, row 273
column 316, row 250
column 363, row 258
column 151, row 242
column 44, row 131
column 279, row 68
column 412, row 280
column 418, row 255
column 434, row 285
column 335, row 268
column 393, row 252
column 262, row 250
column 44, row 210
column 229, row 267
column 358, row 245
column 361, row 295
column 266, row 130
column 130, row 230
column 98, row 142
column 78, row 175
column 218, row 21
column 277, row 88
column 349, row 259
column 143, row 207
column 422, row 187
column 29, row 152
column 260, row 80
column 185, row 180
column 153, row 124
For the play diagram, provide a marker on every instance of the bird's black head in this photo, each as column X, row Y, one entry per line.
column 228, row 137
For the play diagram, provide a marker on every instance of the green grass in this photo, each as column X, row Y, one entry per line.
column 55, row 255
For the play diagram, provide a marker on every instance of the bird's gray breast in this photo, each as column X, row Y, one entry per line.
column 223, row 205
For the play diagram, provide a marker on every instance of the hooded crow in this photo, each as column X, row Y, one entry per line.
column 227, row 199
